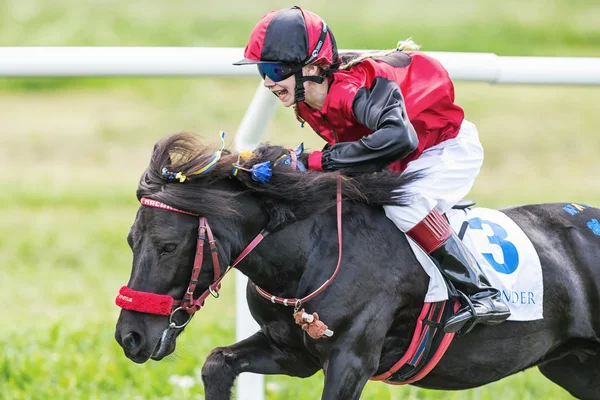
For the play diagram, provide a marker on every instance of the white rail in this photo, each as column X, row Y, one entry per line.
column 216, row 61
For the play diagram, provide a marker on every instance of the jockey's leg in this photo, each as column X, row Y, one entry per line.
column 448, row 172
column 435, row 235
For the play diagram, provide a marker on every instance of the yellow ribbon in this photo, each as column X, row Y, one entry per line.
column 213, row 161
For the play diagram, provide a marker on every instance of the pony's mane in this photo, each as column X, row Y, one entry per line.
column 288, row 196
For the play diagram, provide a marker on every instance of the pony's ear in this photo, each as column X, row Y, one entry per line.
column 279, row 214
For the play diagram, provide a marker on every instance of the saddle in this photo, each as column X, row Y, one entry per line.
column 464, row 204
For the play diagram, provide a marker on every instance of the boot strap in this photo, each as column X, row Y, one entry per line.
column 431, row 232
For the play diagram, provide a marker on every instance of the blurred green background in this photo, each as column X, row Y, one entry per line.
column 71, row 151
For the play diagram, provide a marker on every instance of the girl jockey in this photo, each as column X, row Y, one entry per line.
column 384, row 110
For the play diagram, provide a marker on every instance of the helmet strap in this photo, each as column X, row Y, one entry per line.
column 299, row 94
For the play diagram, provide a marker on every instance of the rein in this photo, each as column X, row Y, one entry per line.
column 161, row 304
column 297, row 303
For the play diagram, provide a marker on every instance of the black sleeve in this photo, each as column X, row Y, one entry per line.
column 382, row 110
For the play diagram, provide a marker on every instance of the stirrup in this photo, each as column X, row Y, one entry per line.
column 470, row 323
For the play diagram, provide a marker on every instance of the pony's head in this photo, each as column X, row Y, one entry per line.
column 200, row 209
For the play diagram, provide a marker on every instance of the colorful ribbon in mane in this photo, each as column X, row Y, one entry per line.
column 204, row 169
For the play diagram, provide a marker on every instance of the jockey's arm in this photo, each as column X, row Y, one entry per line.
column 382, row 110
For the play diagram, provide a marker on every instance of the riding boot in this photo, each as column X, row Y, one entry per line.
column 484, row 303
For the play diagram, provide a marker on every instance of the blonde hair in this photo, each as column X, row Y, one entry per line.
column 402, row 45
column 408, row 45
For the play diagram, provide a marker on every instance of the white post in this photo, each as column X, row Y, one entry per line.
column 257, row 118
column 253, row 126
column 249, row 386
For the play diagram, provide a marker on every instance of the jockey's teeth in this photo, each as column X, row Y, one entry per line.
column 280, row 93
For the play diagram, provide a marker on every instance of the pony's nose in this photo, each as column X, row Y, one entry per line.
column 132, row 343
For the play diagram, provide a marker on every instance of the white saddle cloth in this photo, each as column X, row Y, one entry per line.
column 504, row 253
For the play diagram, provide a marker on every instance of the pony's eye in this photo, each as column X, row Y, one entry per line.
column 168, row 248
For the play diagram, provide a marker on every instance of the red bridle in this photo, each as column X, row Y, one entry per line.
column 161, row 304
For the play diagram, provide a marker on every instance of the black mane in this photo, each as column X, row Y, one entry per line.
column 288, row 196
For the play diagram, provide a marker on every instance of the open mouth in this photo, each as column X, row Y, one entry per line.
column 280, row 93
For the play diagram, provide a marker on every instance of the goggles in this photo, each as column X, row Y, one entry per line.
column 277, row 72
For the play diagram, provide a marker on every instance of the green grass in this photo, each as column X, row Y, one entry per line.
column 64, row 363
column 509, row 27
column 71, row 151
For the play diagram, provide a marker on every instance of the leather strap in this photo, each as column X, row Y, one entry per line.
column 297, row 303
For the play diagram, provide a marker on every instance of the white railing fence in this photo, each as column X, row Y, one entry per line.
column 217, row 62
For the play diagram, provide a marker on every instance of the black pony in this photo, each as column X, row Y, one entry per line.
column 373, row 303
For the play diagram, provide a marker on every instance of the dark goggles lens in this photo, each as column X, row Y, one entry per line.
column 276, row 71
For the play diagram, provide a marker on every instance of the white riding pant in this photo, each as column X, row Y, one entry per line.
column 448, row 172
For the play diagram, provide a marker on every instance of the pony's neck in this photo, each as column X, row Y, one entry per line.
column 275, row 264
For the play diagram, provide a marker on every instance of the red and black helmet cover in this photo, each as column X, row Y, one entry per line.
column 291, row 36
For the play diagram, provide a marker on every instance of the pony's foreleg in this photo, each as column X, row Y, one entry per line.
column 346, row 374
column 355, row 356
column 257, row 354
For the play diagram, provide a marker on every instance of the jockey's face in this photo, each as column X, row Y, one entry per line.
column 284, row 90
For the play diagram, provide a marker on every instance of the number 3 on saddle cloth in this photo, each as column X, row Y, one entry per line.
column 508, row 259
